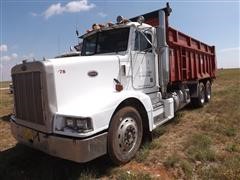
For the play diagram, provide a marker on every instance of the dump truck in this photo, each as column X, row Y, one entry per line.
column 131, row 77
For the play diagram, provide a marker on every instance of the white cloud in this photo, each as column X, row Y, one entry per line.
column 33, row 14
column 53, row 10
column 77, row 6
column 6, row 58
column 8, row 61
column 71, row 7
column 14, row 55
column 3, row 48
column 101, row 14
column 11, row 57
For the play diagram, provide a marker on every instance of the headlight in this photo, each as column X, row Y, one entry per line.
column 69, row 123
column 81, row 125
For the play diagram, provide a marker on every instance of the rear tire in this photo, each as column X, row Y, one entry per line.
column 200, row 100
column 208, row 91
column 124, row 135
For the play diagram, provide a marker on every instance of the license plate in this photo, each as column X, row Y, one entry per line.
column 28, row 134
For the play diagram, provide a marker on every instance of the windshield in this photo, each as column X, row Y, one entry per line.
column 109, row 41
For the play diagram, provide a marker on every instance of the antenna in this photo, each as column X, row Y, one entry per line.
column 58, row 44
column 76, row 29
column 77, row 33
column 76, row 26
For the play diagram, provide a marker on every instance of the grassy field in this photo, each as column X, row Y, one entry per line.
column 4, row 84
column 197, row 144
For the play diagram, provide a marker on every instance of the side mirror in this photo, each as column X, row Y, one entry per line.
column 140, row 20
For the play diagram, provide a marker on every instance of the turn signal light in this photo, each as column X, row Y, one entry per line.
column 119, row 87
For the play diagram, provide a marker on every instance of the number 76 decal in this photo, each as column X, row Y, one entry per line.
column 61, row 71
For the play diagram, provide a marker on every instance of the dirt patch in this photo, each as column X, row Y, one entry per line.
column 156, row 171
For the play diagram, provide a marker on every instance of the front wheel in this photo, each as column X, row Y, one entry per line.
column 125, row 135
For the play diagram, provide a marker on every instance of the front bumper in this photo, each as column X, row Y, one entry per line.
column 74, row 149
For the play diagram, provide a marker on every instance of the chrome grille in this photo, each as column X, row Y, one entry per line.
column 28, row 97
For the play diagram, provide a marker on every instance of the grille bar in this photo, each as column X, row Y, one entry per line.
column 28, row 97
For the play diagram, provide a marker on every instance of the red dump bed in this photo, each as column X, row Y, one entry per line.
column 190, row 59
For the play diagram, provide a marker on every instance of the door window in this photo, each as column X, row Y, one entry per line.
column 141, row 43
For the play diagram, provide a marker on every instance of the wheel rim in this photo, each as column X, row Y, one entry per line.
column 208, row 92
column 127, row 135
column 202, row 95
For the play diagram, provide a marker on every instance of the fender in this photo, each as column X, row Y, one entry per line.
column 101, row 106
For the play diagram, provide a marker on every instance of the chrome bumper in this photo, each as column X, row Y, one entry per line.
column 78, row 150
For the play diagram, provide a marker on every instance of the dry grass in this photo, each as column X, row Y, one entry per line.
column 4, row 84
column 204, row 140
column 6, row 108
column 197, row 144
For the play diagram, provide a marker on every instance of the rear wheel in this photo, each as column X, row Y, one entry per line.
column 208, row 91
column 125, row 135
column 200, row 100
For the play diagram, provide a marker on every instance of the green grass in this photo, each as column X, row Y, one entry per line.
column 155, row 144
column 230, row 131
column 159, row 131
column 233, row 147
column 175, row 161
column 128, row 175
column 226, row 170
column 171, row 161
column 143, row 153
column 219, row 128
column 186, row 167
column 178, row 117
column 199, row 148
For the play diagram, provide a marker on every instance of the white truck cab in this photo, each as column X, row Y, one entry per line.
column 104, row 101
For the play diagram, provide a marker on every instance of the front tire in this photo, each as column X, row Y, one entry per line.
column 125, row 135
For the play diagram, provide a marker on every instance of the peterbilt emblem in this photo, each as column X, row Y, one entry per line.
column 92, row 73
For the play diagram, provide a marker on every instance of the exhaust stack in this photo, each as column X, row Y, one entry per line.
column 163, row 49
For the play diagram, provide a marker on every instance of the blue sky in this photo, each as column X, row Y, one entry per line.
column 46, row 28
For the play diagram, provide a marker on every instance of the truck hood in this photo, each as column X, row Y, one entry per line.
column 83, row 76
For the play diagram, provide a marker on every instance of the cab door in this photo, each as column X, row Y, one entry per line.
column 143, row 63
